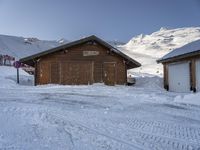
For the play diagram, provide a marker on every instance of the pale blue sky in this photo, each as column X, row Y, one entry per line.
column 109, row 19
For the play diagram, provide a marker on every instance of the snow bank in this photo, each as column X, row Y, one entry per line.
column 8, row 77
column 188, row 99
column 10, row 71
column 149, row 82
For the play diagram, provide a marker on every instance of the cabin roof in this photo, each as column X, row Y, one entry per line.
column 187, row 50
column 30, row 59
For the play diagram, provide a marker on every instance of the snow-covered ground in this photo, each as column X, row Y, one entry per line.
column 96, row 117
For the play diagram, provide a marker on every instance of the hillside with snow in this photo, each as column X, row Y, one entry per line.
column 148, row 48
column 19, row 47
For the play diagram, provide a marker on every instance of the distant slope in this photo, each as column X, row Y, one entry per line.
column 148, row 48
column 115, row 43
column 20, row 47
column 144, row 48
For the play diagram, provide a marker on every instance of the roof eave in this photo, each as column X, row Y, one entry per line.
column 178, row 57
column 133, row 65
column 93, row 37
column 55, row 49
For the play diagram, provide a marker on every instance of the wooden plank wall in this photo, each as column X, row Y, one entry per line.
column 75, row 54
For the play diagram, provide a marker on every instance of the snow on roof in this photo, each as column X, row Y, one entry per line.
column 188, row 48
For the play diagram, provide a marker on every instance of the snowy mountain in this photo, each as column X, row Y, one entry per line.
column 19, row 47
column 148, row 48
column 144, row 48
column 116, row 43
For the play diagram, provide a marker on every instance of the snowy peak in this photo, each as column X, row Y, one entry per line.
column 148, row 48
column 137, row 39
column 115, row 43
column 161, row 42
column 30, row 40
column 163, row 29
column 62, row 41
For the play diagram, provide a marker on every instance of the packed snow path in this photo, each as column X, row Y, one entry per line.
column 96, row 117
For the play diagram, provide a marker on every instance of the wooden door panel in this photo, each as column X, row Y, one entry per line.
column 75, row 73
column 55, row 73
column 85, row 73
column 65, row 73
column 109, row 73
column 44, row 73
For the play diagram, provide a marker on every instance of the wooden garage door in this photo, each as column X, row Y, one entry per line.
column 44, row 73
column 109, row 73
column 179, row 77
column 198, row 75
column 76, row 73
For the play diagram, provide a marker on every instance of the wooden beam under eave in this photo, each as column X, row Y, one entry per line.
column 35, row 73
column 125, row 73
column 166, row 81
column 193, row 75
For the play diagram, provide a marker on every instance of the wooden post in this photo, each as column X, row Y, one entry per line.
column 165, row 72
column 193, row 75
column 17, row 75
column 35, row 73
column 126, row 83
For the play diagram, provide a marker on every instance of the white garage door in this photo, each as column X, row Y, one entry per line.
column 198, row 75
column 179, row 77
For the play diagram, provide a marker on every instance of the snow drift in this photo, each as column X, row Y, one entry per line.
column 8, row 77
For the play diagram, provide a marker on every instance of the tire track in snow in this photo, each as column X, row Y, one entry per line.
column 59, row 120
column 148, row 129
column 166, row 129
column 145, row 132
column 94, row 131
column 154, row 141
column 146, row 139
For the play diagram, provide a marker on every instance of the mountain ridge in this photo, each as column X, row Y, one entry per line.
column 146, row 49
column 19, row 47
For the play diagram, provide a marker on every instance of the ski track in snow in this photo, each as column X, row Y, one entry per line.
column 48, row 117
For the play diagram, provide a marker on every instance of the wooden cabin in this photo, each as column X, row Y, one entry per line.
column 182, row 68
column 86, row 61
